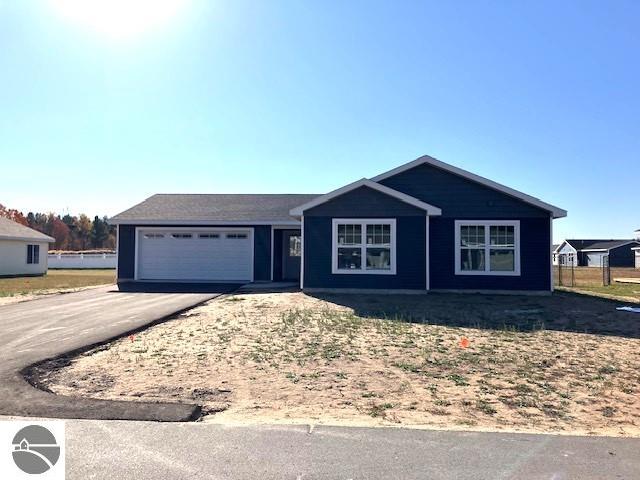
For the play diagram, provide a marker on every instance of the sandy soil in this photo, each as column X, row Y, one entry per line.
column 381, row 361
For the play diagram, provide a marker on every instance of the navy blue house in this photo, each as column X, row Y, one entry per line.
column 423, row 226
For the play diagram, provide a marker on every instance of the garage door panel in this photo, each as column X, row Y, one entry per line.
column 223, row 258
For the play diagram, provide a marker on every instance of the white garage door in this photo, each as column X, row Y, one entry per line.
column 198, row 254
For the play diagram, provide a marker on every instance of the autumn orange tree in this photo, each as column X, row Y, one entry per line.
column 13, row 214
column 70, row 232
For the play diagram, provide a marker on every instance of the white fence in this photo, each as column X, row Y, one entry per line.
column 83, row 260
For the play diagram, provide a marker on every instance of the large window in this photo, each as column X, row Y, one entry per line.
column 488, row 247
column 364, row 246
column 33, row 254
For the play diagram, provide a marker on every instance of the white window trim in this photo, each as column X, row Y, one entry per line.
column 363, row 222
column 487, row 223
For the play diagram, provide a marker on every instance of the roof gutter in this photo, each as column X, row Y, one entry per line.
column 142, row 222
column 46, row 239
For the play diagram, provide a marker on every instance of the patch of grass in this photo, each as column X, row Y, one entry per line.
column 293, row 377
column 608, row 411
column 379, row 410
column 54, row 280
column 485, row 407
column 607, row 370
column 408, row 367
column 459, row 380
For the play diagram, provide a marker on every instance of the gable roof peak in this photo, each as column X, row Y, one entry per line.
column 429, row 160
column 365, row 182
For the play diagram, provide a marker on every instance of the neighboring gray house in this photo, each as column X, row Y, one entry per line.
column 23, row 251
column 590, row 253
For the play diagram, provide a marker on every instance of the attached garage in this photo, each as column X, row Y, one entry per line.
column 194, row 254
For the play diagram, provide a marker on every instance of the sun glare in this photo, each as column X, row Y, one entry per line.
column 119, row 19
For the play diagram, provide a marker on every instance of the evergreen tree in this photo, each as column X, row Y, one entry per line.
column 99, row 232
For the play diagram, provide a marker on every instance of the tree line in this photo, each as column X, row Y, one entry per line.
column 71, row 232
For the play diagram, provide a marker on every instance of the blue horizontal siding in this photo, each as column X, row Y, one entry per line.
column 365, row 202
column 261, row 253
column 458, row 196
column 535, row 259
column 410, row 257
column 126, row 251
column 623, row 256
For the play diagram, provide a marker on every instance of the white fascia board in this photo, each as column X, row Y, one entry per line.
column 364, row 182
column 559, row 247
column 426, row 159
column 143, row 222
column 45, row 239
column 594, row 250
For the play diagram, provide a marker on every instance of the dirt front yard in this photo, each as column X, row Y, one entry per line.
column 564, row 363
column 18, row 289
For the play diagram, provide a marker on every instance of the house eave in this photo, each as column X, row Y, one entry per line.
column 46, row 239
column 142, row 222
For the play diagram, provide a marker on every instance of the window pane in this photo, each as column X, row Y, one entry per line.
column 502, row 235
column 29, row 253
column 295, row 246
column 502, row 260
column 349, row 234
column 349, row 259
column 36, row 254
column 472, row 259
column 378, row 258
column 379, row 234
column 472, row 236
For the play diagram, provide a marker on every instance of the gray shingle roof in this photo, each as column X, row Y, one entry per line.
column 10, row 230
column 597, row 244
column 185, row 208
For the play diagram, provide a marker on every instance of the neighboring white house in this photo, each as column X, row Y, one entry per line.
column 23, row 251
column 564, row 254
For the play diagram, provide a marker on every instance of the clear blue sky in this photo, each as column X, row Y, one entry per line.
column 249, row 97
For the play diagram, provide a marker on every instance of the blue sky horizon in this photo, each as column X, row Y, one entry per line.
column 99, row 111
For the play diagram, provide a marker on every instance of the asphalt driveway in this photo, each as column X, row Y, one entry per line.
column 33, row 331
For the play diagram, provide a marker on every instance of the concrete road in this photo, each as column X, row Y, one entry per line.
column 144, row 450
column 45, row 328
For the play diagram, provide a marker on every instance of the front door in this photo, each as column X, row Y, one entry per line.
column 291, row 254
